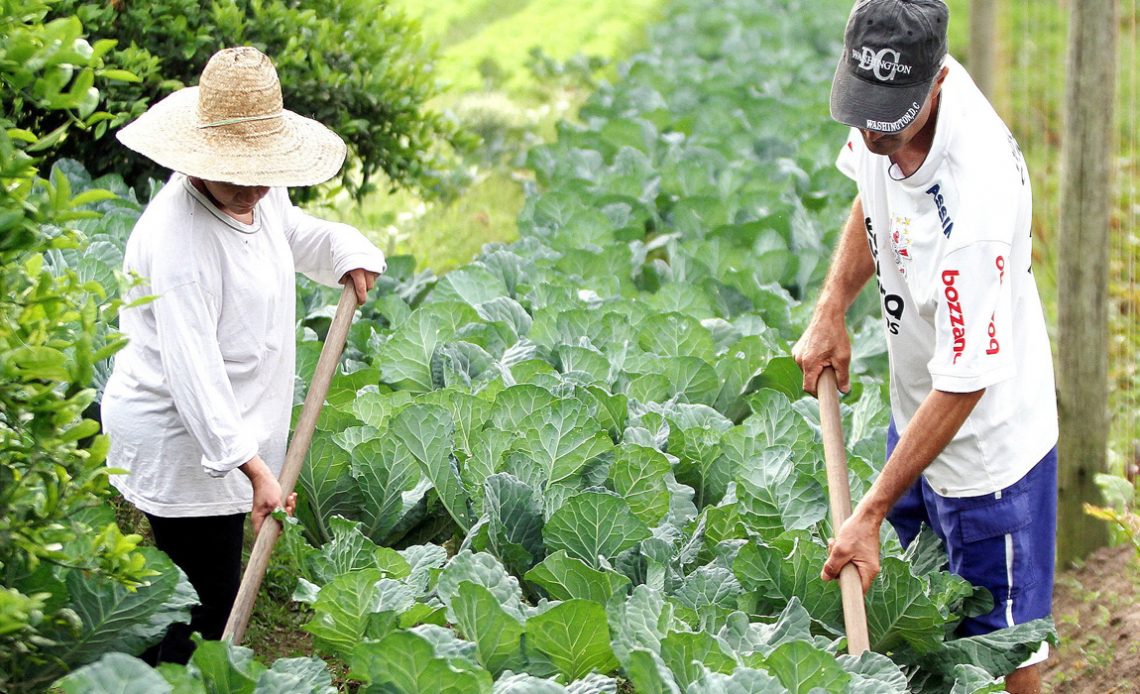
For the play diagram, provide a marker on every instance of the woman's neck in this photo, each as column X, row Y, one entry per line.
column 201, row 187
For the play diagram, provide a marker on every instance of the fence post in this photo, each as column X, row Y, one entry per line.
column 983, row 43
column 1082, row 274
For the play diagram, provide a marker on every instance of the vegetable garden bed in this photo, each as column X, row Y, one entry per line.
column 582, row 461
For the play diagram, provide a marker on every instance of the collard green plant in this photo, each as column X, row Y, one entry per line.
column 605, row 416
column 584, row 457
column 359, row 67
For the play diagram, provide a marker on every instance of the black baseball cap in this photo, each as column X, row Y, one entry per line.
column 892, row 51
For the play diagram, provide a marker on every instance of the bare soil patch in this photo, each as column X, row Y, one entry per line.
column 1097, row 610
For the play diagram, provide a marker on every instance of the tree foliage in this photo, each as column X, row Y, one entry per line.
column 65, row 566
column 359, row 67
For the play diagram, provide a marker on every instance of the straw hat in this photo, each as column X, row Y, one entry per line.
column 232, row 128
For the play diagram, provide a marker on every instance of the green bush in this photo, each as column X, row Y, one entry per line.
column 72, row 585
column 358, row 66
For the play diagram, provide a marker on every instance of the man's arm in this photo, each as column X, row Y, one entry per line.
column 825, row 342
column 934, row 425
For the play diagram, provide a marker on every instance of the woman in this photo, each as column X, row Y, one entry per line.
column 205, row 386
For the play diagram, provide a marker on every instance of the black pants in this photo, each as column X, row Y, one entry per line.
column 208, row 549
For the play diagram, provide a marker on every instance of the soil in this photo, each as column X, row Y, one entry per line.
column 1097, row 610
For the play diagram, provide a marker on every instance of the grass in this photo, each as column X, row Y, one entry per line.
column 503, row 31
column 494, row 37
column 1029, row 93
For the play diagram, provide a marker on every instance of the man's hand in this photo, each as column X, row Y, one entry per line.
column 267, row 494
column 363, row 280
column 824, row 343
column 856, row 543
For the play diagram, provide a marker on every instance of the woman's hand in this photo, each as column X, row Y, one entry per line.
column 267, row 494
column 362, row 280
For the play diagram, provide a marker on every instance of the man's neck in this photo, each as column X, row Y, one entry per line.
column 912, row 155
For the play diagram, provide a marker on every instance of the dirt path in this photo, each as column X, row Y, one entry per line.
column 1097, row 609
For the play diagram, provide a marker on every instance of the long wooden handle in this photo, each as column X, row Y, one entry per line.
column 294, row 459
column 839, row 492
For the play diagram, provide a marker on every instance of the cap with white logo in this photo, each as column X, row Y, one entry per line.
column 892, row 51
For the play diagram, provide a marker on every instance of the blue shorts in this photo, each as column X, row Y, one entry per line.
column 1005, row 541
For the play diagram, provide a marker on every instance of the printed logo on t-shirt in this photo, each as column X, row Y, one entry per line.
column 954, row 307
column 893, row 304
column 900, row 242
column 935, row 192
column 995, row 346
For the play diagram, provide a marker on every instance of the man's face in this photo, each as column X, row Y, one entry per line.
column 887, row 144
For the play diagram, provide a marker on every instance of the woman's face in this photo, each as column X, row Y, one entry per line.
column 234, row 198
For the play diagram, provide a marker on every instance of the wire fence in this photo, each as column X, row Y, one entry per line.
column 1029, row 91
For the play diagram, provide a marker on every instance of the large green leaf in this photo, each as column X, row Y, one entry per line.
column 356, row 606
column 114, row 618
column 592, row 525
column 115, row 673
column 774, row 422
column 648, row 673
column 386, row 475
column 468, row 414
column 484, row 570
column 689, row 654
column 874, row 673
column 789, row 567
column 783, row 375
column 640, row 621
column 969, row 679
column 514, row 520
column 516, row 403
column 692, row 378
column 426, row 431
column 327, row 487
column 676, row 335
column 405, row 360
column 225, row 667
column 472, row 285
column 638, row 475
column 349, row 550
column 480, row 617
column 296, row 676
column 561, row 439
column 998, row 652
column 488, row 446
column 746, row 636
column 375, row 408
column 564, row 578
column 742, row 681
column 406, row 662
column 711, row 592
column 522, row 683
column 801, row 667
column 774, row 496
column 899, row 610
column 700, row 464
column 575, row 636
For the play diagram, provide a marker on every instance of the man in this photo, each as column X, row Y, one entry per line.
column 942, row 218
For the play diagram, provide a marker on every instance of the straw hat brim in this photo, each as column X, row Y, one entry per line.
column 300, row 152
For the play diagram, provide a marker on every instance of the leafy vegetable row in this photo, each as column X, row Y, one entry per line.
column 605, row 418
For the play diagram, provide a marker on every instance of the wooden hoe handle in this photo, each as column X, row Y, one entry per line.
column 839, row 492
column 294, row 459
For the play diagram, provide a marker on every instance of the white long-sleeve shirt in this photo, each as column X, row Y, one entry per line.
column 206, row 381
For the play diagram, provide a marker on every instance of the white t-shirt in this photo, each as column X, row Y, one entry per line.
column 206, row 380
column 961, row 311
